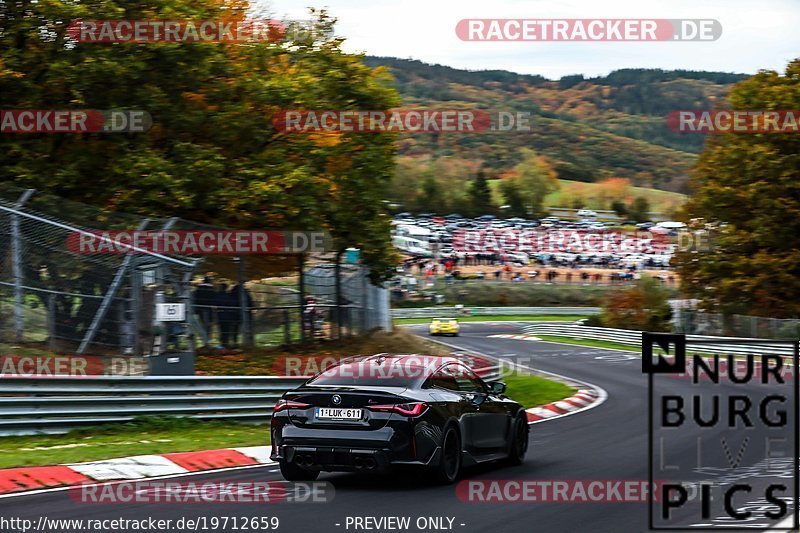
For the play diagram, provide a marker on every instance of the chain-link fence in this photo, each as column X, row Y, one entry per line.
column 56, row 296
column 700, row 323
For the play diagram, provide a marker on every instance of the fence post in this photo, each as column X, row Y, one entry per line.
column 16, row 266
column 112, row 290
column 135, row 302
column 287, row 334
column 51, row 322
column 301, row 295
column 244, row 310
column 364, row 300
column 338, row 273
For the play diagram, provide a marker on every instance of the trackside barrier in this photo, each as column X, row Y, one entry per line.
column 453, row 312
column 53, row 404
column 634, row 338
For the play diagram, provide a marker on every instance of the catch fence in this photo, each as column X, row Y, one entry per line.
column 55, row 297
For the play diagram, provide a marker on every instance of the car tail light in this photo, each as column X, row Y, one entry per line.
column 405, row 409
column 282, row 405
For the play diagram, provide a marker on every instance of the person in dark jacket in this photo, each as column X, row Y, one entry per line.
column 227, row 309
column 203, row 302
column 237, row 326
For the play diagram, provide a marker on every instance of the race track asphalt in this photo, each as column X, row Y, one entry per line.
column 608, row 442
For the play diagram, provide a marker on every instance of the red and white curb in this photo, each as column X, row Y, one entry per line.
column 577, row 402
column 128, row 468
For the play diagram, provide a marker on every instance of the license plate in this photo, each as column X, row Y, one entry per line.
column 338, row 413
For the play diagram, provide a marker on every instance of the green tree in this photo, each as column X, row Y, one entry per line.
column 480, row 195
column 639, row 210
column 619, row 207
column 747, row 188
column 213, row 154
column 534, row 179
column 513, row 198
column 431, row 195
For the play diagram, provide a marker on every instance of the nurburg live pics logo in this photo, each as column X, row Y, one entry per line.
column 718, row 439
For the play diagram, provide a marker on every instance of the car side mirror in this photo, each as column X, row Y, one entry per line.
column 476, row 398
column 497, row 387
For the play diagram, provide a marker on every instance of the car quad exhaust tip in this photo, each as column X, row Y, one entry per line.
column 304, row 460
column 364, row 463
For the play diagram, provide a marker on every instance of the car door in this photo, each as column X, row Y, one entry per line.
column 489, row 420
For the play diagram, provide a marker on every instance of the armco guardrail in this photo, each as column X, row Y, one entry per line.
column 57, row 404
column 30, row 405
column 454, row 312
column 634, row 338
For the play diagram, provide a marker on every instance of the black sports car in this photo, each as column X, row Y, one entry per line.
column 372, row 413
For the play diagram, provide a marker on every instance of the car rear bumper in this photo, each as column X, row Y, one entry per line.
column 342, row 450
column 346, row 459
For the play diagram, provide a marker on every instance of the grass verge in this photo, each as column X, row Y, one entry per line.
column 499, row 318
column 530, row 390
column 145, row 435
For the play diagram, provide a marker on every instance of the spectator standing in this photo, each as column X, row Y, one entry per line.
column 236, row 324
column 226, row 314
column 203, row 302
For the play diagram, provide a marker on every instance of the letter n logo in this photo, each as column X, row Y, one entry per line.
column 670, row 344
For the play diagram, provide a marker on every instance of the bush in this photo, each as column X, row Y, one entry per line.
column 643, row 307
column 594, row 321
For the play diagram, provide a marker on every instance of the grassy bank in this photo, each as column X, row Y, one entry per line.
column 147, row 435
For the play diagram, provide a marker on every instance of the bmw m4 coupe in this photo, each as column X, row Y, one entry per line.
column 372, row 413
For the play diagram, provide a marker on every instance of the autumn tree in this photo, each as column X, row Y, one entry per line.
column 747, row 187
column 611, row 189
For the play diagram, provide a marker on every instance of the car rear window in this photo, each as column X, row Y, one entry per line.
column 370, row 375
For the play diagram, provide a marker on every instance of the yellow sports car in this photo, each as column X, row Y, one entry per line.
column 444, row 326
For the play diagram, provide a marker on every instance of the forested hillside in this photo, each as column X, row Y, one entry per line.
column 586, row 129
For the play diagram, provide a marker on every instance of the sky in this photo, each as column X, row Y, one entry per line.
column 756, row 34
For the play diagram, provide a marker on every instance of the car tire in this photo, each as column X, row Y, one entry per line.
column 292, row 472
column 449, row 467
column 519, row 441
